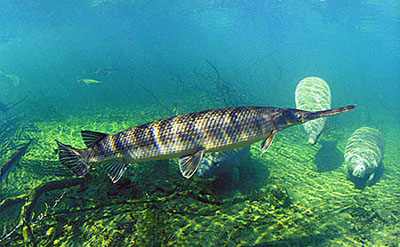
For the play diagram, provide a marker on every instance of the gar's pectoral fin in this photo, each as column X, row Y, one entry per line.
column 115, row 170
column 188, row 165
column 267, row 142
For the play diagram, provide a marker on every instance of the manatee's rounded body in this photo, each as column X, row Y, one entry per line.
column 313, row 94
column 364, row 152
column 214, row 164
column 226, row 162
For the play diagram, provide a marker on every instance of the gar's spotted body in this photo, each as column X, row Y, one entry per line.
column 186, row 136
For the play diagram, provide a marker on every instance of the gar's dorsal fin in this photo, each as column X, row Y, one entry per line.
column 91, row 137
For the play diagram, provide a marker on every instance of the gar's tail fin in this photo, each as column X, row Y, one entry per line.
column 72, row 158
column 327, row 113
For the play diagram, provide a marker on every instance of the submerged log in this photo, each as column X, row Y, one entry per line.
column 31, row 199
column 33, row 196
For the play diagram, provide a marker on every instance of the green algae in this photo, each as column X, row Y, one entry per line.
column 154, row 206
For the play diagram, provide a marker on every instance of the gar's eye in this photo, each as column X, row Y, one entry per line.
column 297, row 116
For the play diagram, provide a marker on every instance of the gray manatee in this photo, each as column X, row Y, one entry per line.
column 313, row 94
column 364, row 153
column 226, row 162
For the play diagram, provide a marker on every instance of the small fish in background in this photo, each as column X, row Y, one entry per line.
column 106, row 71
column 14, row 78
column 13, row 161
column 5, row 39
column 187, row 137
column 363, row 154
column 5, row 108
column 89, row 81
column 313, row 94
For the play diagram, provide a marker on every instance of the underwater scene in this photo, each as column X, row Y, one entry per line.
column 199, row 123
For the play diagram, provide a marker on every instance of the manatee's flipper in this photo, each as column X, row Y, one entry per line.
column 188, row 165
column 267, row 142
column 370, row 179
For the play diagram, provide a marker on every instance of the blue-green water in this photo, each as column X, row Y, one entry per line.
column 154, row 59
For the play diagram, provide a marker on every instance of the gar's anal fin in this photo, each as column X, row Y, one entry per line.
column 114, row 170
column 188, row 165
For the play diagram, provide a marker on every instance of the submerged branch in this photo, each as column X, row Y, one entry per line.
column 157, row 99
column 6, row 203
column 31, row 199
column 26, row 223
column 215, row 69
column 33, row 196
column 170, row 197
column 229, row 94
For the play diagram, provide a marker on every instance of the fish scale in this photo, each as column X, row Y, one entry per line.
column 209, row 130
column 186, row 136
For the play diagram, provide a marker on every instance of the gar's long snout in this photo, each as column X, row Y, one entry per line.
column 330, row 112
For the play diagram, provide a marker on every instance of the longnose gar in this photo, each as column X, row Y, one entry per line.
column 186, row 136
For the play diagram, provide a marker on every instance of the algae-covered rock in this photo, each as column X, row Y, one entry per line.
column 278, row 195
